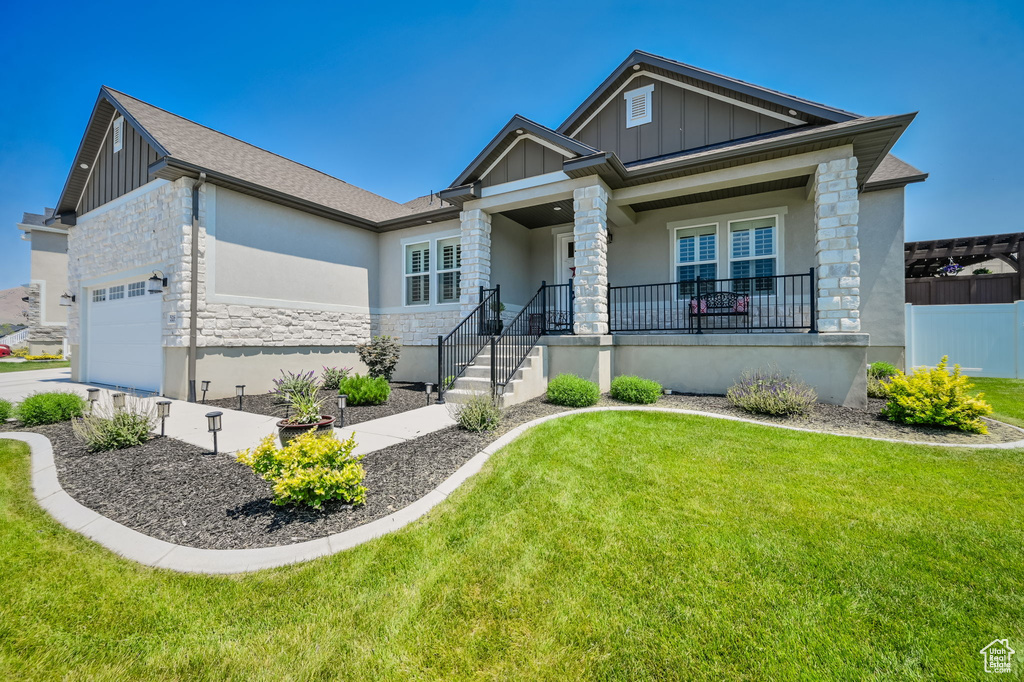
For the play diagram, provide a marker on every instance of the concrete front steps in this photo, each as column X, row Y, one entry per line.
column 528, row 381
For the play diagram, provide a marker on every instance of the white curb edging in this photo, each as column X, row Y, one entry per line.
column 150, row 551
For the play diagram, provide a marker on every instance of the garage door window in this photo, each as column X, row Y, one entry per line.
column 99, row 295
column 117, row 292
column 136, row 289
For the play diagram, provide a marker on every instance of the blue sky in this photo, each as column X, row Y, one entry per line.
column 349, row 88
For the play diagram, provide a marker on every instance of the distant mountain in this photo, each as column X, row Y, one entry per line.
column 12, row 308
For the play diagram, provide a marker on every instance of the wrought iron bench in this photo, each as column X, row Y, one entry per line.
column 717, row 304
column 556, row 321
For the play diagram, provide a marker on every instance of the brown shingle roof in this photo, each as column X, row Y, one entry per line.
column 196, row 144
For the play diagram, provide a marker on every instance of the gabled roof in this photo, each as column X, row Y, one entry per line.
column 508, row 136
column 188, row 148
column 813, row 112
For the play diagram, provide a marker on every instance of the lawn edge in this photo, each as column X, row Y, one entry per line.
column 135, row 546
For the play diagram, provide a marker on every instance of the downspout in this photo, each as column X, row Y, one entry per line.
column 193, row 315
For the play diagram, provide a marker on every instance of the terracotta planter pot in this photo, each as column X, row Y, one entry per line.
column 286, row 432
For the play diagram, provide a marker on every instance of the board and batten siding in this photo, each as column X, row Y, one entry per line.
column 682, row 119
column 525, row 159
column 114, row 174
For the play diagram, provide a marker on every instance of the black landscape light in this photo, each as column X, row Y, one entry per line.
column 163, row 411
column 118, row 400
column 206, row 387
column 240, row 392
column 342, row 403
column 156, row 283
column 430, row 389
column 213, row 425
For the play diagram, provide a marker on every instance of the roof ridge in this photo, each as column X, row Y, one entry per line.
column 250, row 144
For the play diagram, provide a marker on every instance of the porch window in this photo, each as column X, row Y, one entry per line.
column 753, row 253
column 449, row 262
column 417, row 274
column 696, row 255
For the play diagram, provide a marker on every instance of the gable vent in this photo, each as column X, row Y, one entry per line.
column 118, row 133
column 638, row 106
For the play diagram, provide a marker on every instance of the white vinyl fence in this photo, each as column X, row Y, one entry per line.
column 16, row 339
column 985, row 339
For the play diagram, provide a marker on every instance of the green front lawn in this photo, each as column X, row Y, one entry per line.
column 1006, row 397
column 616, row 545
column 25, row 366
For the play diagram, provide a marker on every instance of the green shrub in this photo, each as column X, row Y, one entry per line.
column 882, row 370
column 365, row 390
column 6, row 410
column 105, row 428
column 632, row 389
column 877, row 388
column 479, row 413
column 292, row 382
column 331, row 377
column 380, row 356
column 573, row 391
column 50, row 408
column 768, row 391
column 936, row 397
column 312, row 469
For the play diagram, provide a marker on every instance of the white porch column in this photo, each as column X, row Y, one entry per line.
column 591, row 281
column 836, row 209
column 475, row 271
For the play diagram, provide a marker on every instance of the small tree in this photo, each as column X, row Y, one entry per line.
column 380, row 356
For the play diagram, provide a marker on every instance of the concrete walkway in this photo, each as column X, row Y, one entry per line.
column 241, row 430
column 143, row 549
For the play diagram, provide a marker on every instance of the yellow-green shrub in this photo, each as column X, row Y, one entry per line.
column 45, row 356
column 312, row 469
column 936, row 397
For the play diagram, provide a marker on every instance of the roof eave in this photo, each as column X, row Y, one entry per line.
column 894, row 183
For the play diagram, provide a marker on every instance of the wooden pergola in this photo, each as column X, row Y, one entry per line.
column 923, row 259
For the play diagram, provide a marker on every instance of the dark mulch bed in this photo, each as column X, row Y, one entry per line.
column 404, row 396
column 179, row 493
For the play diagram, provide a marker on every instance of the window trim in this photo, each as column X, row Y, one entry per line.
column 776, row 243
column 433, row 239
column 629, row 96
column 715, row 229
column 428, row 273
column 440, row 271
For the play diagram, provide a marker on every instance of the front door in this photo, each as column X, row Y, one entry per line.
column 566, row 259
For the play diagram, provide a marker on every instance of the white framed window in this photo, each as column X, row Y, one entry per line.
column 696, row 252
column 118, row 134
column 417, row 274
column 136, row 289
column 449, row 264
column 116, row 292
column 99, row 295
column 638, row 106
column 754, row 253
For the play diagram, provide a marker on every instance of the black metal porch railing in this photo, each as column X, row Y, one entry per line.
column 456, row 350
column 550, row 311
column 774, row 303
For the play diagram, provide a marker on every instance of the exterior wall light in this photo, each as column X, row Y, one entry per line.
column 240, row 392
column 163, row 411
column 67, row 299
column 342, row 404
column 206, row 387
column 157, row 283
column 213, row 425
column 118, row 400
column 430, row 389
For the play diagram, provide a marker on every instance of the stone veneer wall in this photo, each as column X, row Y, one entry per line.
column 591, row 281
column 836, row 211
column 49, row 335
column 416, row 329
column 476, row 257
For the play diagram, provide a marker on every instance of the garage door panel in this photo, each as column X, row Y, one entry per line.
column 125, row 342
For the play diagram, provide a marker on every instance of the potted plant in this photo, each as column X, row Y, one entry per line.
column 304, row 411
column 494, row 325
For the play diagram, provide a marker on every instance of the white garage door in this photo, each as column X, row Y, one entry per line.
column 124, row 345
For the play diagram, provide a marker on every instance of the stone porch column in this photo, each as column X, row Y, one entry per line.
column 475, row 271
column 836, row 209
column 591, row 281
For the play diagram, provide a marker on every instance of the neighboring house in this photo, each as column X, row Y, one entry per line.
column 47, row 313
column 790, row 212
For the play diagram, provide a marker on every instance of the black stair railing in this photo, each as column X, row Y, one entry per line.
column 456, row 350
column 550, row 311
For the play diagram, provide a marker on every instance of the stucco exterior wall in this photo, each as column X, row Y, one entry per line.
column 47, row 318
column 510, row 250
column 882, row 286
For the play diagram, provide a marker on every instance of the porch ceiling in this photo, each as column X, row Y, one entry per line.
column 543, row 215
column 795, row 182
